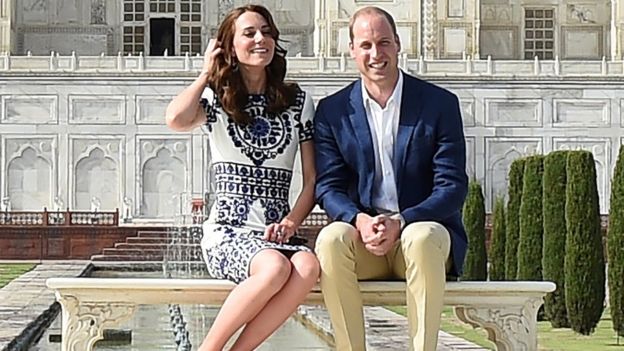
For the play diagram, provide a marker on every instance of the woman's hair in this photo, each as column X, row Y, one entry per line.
column 225, row 78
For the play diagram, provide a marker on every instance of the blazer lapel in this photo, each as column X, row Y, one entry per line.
column 411, row 106
column 359, row 123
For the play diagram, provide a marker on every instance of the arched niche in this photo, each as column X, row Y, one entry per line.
column 96, row 176
column 29, row 178
column 163, row 180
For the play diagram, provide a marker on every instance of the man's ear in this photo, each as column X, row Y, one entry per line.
column 351, row 49
column 398, row 41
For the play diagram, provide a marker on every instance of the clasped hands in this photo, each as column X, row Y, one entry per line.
column 378, row 233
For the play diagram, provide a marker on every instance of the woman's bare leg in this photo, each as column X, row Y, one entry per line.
column 269, row 271
column 304, row 274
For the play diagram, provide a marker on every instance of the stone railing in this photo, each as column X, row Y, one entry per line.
column 313, row 65
column 58, row 218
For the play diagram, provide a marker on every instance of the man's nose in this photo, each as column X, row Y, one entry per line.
column 374, row 51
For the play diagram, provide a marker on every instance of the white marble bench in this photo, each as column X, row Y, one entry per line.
column 507, row 310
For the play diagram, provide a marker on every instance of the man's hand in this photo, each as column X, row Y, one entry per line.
column 387, row 232
column 364, row 226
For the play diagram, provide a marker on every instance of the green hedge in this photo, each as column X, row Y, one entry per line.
column 615, row 246
column 497, row 241
column 554, row 197
column 531, row 227
column 584, row 257
column 475, row 265
column 512, row 224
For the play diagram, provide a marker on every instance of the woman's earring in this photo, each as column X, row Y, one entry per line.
column 234, row 65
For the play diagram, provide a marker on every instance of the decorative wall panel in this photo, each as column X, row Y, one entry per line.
column 586, row 113
column 30, row 109
column 104, row 109
column 515, row 112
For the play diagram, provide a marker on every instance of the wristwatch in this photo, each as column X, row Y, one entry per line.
column 397, row 216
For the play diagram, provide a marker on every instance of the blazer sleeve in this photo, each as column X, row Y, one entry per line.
column 450, row 182
column 332, row 172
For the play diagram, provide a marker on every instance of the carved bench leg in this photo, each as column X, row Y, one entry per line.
column 84, row 322
column 509, row 327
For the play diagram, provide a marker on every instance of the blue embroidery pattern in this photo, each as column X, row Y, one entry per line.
column 211, row 112
column 249, row 194
column 274, row 210
column 266, row 136
column 237, row 186
column 306, row 130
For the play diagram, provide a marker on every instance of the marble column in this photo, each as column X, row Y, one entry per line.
column 429, row 28
column 616, row 49
column 320, row 28
column 5, row 25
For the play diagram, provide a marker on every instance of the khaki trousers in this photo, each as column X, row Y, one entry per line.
column 419, row 257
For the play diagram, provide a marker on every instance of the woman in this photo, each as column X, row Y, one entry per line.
column 255, row 123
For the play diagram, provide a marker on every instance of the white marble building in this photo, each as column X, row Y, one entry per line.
column 74, row 128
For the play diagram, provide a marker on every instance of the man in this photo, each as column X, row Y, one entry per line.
column 390, row 161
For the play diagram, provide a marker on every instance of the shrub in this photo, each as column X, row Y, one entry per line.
column 554, row 197
column 531, row 227
column 475, row 266
column 615, row 246
column 497, row 241
column 584, row 257
column 512, row 224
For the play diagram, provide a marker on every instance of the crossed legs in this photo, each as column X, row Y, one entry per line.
column 419, row 257
column 263, row 302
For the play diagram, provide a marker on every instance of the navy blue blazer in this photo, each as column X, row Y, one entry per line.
column 429, row 158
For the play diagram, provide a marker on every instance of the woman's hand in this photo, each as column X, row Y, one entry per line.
column 212, row 51
column 280, row 232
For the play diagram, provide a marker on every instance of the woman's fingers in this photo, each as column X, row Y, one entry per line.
column 212, row 50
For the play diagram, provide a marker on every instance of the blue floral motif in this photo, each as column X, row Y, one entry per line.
column 268, row 134
column 230, row 259
column 274, row 210
column 233, row 210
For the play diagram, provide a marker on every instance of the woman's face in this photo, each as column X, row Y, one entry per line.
column 253, row 44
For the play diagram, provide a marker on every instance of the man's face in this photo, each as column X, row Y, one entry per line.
column 375, row 48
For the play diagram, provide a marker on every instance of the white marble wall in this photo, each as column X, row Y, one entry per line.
column 582, row 28
column 90, row 136
column 435, row 29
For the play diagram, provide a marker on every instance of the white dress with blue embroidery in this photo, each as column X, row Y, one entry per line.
column 252, row 166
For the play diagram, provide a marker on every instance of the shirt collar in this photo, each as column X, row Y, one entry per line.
column 396, row 93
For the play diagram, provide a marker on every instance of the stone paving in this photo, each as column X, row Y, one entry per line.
column 26, row 298
column 385, row 330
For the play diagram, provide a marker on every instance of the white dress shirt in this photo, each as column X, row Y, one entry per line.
column 384, row 124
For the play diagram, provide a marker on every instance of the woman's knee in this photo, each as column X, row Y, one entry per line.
column 335, row 236
column 272, row 267
column 306, row 265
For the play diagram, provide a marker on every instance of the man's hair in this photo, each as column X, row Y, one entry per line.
column 370, row 10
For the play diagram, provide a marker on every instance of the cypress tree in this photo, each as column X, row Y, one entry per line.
column 497, row 241
column 584, row 259
column 475, row 266
column 512, row 224
column 531, row 227
column 615, row 246
column 555, row 236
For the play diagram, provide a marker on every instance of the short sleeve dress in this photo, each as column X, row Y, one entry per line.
column 252, row 168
